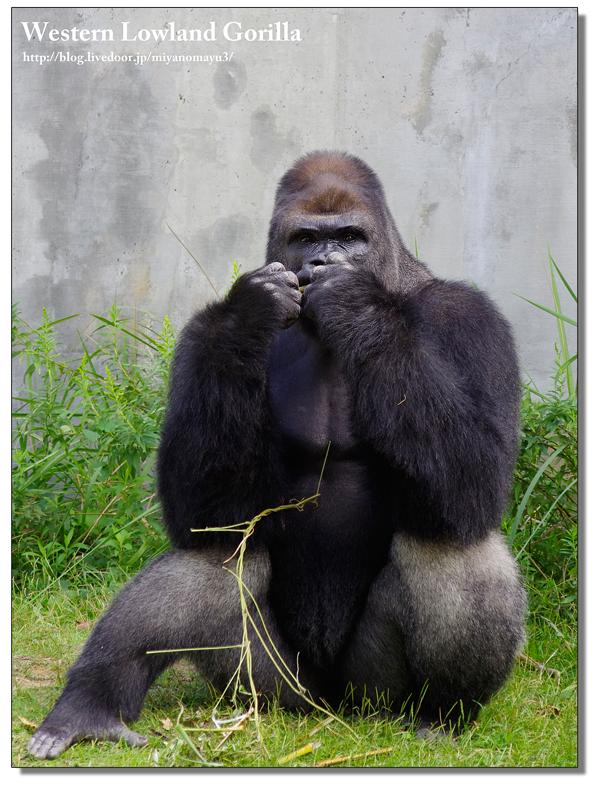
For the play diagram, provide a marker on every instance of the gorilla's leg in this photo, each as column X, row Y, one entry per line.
column 441, row 629
column 183, row 600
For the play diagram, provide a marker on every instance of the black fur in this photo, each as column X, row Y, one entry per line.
column 397, row 582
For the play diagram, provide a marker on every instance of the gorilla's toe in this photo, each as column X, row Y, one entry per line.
column 122, row 732
column 47, row 745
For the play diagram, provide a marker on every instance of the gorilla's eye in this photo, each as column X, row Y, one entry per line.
column 348, row 238
column 302, row 237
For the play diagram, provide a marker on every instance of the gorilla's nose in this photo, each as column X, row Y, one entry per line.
column 305, row 274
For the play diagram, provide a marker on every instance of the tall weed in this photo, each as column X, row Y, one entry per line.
column 542, row 517
column 83, row 447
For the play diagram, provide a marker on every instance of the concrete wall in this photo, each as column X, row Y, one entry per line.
column 468, row 116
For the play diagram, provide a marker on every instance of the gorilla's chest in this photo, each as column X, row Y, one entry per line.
column 323, row 558
column 310, row 397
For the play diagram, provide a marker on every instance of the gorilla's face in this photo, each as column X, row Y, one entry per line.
column 315, row 240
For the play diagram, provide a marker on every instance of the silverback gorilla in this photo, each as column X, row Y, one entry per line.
column 397, row 582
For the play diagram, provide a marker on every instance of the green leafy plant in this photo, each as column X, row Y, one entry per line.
column 237, row 270
column 542, row 517
column 83, row 447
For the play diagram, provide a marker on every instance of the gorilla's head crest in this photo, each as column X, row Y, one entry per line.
column 335, row 183
column 328, row 182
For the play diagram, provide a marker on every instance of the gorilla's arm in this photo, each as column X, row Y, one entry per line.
column 436, row 392
column 214, row 461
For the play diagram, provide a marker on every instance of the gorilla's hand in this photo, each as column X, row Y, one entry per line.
column 330, row 282
column 282, row 286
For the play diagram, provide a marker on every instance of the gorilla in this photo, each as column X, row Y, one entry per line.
column 396, row 582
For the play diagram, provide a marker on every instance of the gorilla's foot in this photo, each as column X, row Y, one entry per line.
column 49, row 742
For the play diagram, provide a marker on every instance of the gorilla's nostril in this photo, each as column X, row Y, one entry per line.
column 305, row 275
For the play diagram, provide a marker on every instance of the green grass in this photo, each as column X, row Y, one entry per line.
column 86, row 429
column 532, row 722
